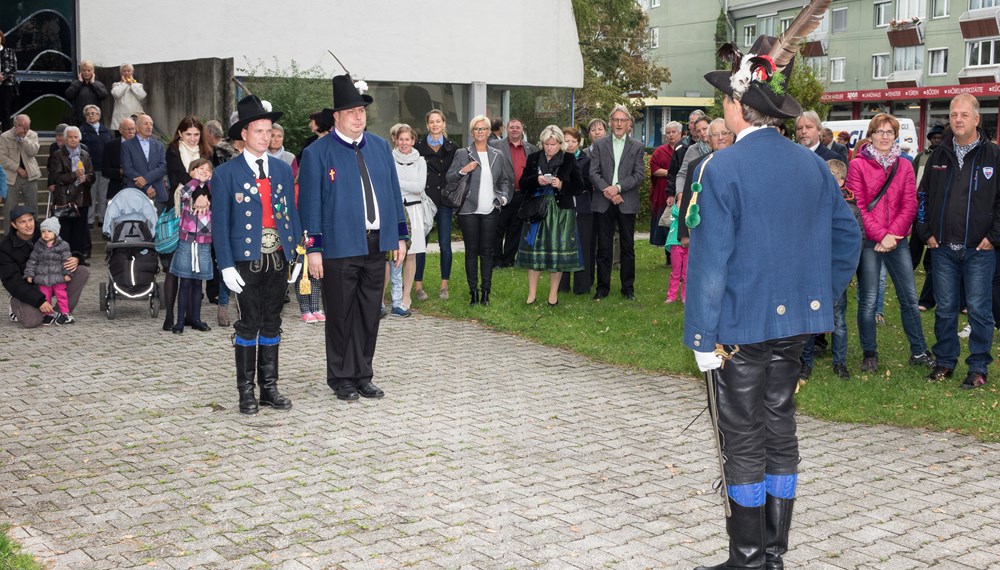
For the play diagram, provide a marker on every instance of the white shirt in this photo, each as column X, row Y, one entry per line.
column 368, row 225
column 484, row 204
column 747, row 131
column 252, row 162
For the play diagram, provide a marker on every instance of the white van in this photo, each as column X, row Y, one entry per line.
column 859, row 130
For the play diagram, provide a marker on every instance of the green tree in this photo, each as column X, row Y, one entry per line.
column 294, row 91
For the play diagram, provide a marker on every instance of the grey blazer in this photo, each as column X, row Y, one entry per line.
column 631, row 173
column 503, row 145
column 501, row 183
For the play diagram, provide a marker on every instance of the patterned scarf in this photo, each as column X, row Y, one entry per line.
column 963, row 149
column 885, row 161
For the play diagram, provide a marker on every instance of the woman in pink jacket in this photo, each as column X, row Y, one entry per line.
column 887, row 216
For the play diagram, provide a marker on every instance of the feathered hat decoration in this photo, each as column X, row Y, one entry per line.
column 763, row 73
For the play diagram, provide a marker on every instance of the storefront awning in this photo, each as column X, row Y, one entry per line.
column 678, row 101
column 939, row 92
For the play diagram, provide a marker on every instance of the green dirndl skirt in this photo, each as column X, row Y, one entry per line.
column 553, row 243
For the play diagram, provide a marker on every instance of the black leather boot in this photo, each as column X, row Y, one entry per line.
column 267, row 370
column 746, row 539
column 778, row 516
column 484, row 298
column 473, row 296
column 246, row 367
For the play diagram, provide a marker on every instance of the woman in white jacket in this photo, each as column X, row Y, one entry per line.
column 129, row 95
column 412, row 171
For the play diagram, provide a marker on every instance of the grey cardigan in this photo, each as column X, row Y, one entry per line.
column 501, row 184
column 45, row 266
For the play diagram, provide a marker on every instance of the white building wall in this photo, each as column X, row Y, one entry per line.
column 497, row 42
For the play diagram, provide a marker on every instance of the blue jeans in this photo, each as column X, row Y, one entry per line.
column 839, row 340
column 880, row 300
column 396, row 281
column 900, row 268
column 948, row 268
column 444, row 217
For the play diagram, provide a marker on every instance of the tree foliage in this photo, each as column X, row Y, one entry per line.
column 294, row 91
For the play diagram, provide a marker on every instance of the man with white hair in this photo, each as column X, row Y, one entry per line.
column 128, row 95
column 808, row 129
column 96, row 136
column 18, row 148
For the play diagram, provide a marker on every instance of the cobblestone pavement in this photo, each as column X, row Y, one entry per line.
column 122, row 448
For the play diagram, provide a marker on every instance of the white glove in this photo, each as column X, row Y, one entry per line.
column 232, row 279
column 707, row 360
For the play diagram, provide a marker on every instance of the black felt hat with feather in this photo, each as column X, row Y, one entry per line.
column 759, row 79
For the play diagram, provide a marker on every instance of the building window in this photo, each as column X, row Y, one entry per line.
column 908, row 58
column 654, row 37
column 907, row 9
column 839, row 20
column 974, row 4
column 983, row 52
column 880, row 66
column 882, row 14
column 765, row 26
column 837, row 69
column 819, row 66
column 749, row 35
column 938, row 59
column 939, row 8
column 783, row 24
column 644, row 4
column 654, row 3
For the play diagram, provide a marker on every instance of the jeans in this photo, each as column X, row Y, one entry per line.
column 900, row 269
column 443, row 217
column 396, row 284
column 839, row 340
column 880, row 300
column 949, row 267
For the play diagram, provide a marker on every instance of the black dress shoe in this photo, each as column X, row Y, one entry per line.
column 178, row 329
column 168, row 324
column 346, row 391
column 369, row 390
column 600, row 295
column 629, row 296
column 201, row 326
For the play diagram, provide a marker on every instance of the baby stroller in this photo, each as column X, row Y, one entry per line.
column 132, row 262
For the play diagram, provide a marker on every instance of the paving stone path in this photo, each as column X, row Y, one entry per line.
column 122, row 448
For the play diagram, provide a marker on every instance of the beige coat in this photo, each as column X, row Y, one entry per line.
column 12, row 152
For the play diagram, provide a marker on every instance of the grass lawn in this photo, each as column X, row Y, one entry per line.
column 10, row 556
column 646, row 335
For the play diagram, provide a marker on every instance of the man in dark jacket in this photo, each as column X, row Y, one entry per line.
column 96, row 136
column 27, row 302
column 958, row 217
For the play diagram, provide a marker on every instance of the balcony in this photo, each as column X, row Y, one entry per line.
column 986, row 74
column 905, row 33
column 982, row 23
column 908, row 78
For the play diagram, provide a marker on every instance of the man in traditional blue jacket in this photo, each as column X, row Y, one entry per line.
column 353, row 212
column 775, row 246
column 255, row 230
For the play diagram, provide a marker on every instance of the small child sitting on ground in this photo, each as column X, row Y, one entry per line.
column 45, row 269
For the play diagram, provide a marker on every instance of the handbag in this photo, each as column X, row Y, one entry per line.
column 168, row 227
column 454, row 193
column 885, row 186
column 533, row 209
column 66, row 211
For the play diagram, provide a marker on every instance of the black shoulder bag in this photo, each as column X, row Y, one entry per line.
column 885, row 186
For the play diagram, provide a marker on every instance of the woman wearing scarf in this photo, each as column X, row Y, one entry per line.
column 551, row 243
column 189, row 144
column 412, row 171
column 438, row 151
column 73, row 175
column 887, row 216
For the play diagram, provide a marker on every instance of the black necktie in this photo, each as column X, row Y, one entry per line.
column 260, row 169
column 367, row 183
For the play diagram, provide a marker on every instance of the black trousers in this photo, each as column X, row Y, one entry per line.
column 352, row 294
column 583, row 279
column 508, row 231
column 606, row 223
column 755, row 393
column 478, row 233
column 263, row 296
column 76, row 231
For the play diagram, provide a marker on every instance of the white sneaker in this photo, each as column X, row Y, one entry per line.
column 966, row 332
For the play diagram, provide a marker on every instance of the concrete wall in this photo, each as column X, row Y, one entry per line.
column 201, row 87
column 427, row 41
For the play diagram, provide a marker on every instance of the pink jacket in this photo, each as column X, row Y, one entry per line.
column 895, row 212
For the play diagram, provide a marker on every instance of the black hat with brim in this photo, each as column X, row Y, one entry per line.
column 759, row 95
column 346, row 95
column 250, row 109
column 935, row 130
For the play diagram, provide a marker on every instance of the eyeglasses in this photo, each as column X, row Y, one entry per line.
column 481, row 129
column 619, row 120
column 884, row 133
column 720, row 135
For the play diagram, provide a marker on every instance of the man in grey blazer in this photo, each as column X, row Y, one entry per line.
column 515, row 151
column 617, row 169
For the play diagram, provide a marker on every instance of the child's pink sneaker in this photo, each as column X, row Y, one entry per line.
column 308, row 318
column 320, row 317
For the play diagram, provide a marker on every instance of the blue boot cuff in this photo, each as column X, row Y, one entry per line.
column 269, row 341
column 751, row 495
column 240, row 341
column 781, row 486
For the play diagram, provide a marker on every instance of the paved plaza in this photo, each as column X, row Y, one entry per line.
column 122, row 448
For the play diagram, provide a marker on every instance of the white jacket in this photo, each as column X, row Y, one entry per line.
column 13, row 152
column 128, row 101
